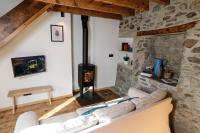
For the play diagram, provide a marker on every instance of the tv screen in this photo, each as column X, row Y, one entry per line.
column 28, row 65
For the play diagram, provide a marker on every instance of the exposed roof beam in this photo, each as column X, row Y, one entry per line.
column 163, row 2
column 133, row 4
column 169, row 30
column 75, row 10
column 92, row 5
column 19, row 18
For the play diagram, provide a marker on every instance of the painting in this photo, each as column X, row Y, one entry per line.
column 57, row 34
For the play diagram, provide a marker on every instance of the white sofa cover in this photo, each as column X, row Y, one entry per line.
column 156, row 114
column 26, row 120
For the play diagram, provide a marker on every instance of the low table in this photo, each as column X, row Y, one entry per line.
column 29, row 91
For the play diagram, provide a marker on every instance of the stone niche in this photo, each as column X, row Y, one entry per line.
column 168, row 47
column 148, row 48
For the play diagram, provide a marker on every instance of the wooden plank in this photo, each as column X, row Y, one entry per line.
column 86, row 12
column 163, row 2
column 92, row 5
column 32, row 90
column 170, row 30
column 19, row 18
column 142, row 5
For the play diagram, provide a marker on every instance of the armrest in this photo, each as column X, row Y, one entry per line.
column 26, row 120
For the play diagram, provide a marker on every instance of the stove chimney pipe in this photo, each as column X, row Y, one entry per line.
column 85, row 39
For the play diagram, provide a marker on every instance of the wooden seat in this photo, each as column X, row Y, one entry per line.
column 29, row 91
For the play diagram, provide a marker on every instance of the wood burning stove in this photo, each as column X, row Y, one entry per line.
column 86, row 76
column 86, row 71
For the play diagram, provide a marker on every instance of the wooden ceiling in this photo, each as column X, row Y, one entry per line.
column 114, row 9
column 26, row 12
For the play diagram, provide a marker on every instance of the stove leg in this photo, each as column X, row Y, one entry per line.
column 93, row 92
column 81, row 92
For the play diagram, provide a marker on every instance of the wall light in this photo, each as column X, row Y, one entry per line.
column 62, row 14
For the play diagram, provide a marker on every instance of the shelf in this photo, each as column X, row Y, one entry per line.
column 157, row 83
column 126, row 52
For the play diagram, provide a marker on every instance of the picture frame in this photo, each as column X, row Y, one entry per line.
column 57, row 33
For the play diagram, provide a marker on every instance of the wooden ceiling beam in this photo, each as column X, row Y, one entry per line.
column 163, row 2
column 75, row 10
column 92, row 5
column 169, row 30
column 142, row 5
column 16, row 20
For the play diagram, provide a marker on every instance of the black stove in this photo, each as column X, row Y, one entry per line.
column 86, row 71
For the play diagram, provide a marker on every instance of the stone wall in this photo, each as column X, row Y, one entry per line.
column 187, row 93
column 187, row 109
column 187, row 113
column 160, row 16
column 124, row 79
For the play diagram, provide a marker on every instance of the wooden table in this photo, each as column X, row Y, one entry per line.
column 29, row 91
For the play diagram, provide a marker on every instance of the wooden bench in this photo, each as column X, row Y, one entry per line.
column 29, row 91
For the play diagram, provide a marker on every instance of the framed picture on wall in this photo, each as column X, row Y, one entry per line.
column 57, row 34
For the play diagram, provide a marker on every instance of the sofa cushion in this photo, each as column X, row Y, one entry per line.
column 82, row 110
column 111, row 112
column 134, row 92
column 59, row 118
column 70, row 126
column 44, row 128
column 80, row 123
column 150, row 99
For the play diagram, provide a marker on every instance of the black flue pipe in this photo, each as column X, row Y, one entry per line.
column 85, row 39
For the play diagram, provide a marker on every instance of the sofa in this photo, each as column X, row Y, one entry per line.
column 139, row 112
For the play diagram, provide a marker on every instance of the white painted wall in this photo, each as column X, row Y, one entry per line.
column 77, row 46
column 103, row 41
column 36, row 40
column 106, row 41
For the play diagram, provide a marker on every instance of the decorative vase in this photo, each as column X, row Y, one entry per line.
column 168, row 74
column 158, row 67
